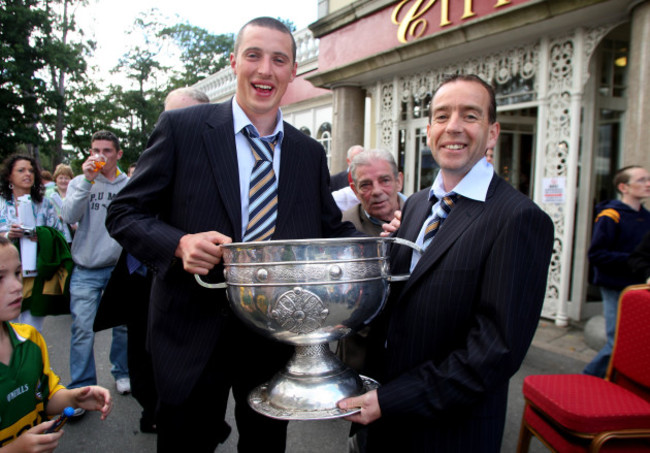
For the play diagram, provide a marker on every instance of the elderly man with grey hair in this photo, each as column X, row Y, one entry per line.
column 376, row 182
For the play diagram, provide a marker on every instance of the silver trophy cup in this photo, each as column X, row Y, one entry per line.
column 308, row 293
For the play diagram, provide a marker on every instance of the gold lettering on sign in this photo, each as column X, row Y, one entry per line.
column 444, row 13
column 411, row 24
column 468, row 9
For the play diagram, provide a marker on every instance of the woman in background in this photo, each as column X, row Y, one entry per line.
column 62, row 176
column 21, row 175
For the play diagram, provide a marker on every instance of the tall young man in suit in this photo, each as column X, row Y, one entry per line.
column 460, row 327
column 189, row 196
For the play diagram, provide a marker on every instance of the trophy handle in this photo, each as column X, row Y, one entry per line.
column 407, row 243
column 414, row 246
column 209, row 285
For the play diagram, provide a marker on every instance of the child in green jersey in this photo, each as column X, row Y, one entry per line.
column 30, row 392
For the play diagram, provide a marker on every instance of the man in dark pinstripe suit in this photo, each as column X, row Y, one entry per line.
column 459, row 328
column 189, row 196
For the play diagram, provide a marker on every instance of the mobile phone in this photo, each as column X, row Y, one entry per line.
column 60, row 420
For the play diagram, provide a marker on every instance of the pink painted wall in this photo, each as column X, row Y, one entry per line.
column 300, row 90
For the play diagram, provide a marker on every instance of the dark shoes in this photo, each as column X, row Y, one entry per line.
column 147, row 426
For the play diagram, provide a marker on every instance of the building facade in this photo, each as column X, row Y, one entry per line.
column 571, row 99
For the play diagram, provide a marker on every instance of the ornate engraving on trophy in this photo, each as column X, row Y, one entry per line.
column 299, row 311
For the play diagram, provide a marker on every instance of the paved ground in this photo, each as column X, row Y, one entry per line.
column 554, row 350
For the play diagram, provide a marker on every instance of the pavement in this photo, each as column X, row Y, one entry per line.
column 554, row 350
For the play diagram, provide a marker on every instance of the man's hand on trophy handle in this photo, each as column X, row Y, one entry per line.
column 200, row 252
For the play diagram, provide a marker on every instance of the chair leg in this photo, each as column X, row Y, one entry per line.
column 524, row 437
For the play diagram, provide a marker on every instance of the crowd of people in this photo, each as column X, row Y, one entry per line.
column 445, row 346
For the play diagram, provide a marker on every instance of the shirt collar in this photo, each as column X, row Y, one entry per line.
column 401, row 200
column 241, row 120
column 474, row 184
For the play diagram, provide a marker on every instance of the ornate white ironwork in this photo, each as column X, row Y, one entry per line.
column 386, row 116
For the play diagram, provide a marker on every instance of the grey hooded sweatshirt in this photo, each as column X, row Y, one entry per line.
column 86, row 203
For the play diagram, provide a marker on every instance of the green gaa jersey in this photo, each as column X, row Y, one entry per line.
column 26, row 384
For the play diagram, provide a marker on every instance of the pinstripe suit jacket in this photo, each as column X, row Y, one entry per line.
column 459, row 328
column 187, row 181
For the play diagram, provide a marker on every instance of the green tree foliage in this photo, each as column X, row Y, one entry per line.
column 66, row 64
column 153, row 74
column 38, row 57
column 53, row 101
column 202, row 53
column 23, row 27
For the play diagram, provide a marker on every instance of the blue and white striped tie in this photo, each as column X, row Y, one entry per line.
column 263, row 193
column 439, row 215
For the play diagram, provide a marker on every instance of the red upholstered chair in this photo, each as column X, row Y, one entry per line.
column 579, row 413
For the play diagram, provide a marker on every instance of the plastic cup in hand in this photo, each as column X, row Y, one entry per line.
column 100, row 161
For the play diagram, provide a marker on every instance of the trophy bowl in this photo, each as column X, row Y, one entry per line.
column 308, row 293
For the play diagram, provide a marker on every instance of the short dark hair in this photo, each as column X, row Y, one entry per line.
column 622, row 176
column 4, row 241
column 492, row 108
column 8, row 164
column 266, row 22
column 106, row 135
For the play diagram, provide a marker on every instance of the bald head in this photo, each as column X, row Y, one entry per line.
column 185, row 97
column 353, row 151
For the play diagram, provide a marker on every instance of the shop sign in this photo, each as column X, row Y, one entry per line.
column 416, row 18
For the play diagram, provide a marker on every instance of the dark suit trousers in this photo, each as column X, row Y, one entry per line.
column 140, row 366
column 243, row 361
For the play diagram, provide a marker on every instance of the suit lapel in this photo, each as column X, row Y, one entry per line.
column 221, row 152
column 290, row 178
column 464, row 213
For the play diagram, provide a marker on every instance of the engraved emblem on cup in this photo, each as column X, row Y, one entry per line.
column 299, row 311
column 308, row 293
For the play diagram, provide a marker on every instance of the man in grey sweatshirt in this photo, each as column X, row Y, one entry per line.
column 94, row 254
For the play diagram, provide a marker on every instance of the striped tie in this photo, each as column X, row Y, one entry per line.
column 439, row 215
column 263, row 193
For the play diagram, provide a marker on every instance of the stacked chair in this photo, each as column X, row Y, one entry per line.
column 580, row 413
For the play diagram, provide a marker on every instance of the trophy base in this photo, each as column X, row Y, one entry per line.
column 309, row 387
column 259, row 400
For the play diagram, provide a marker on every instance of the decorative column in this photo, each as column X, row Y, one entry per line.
column 347, row 123
column 637, row 117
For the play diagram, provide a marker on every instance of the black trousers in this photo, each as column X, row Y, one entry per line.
column 143, row 386
column 243, row 361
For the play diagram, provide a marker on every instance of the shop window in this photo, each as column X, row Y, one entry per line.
column 401, row 152
column 515, row 90
column 421, row 106
column 426, row 167
column 613, row 70
column 325, row 138
column 404, row 111
column 607, row 153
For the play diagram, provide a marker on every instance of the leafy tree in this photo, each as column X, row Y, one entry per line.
column 202, row 53
column 90, row 110
column 38, row 56
column 290, row 25
column 23, row 26
column 66, row 62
